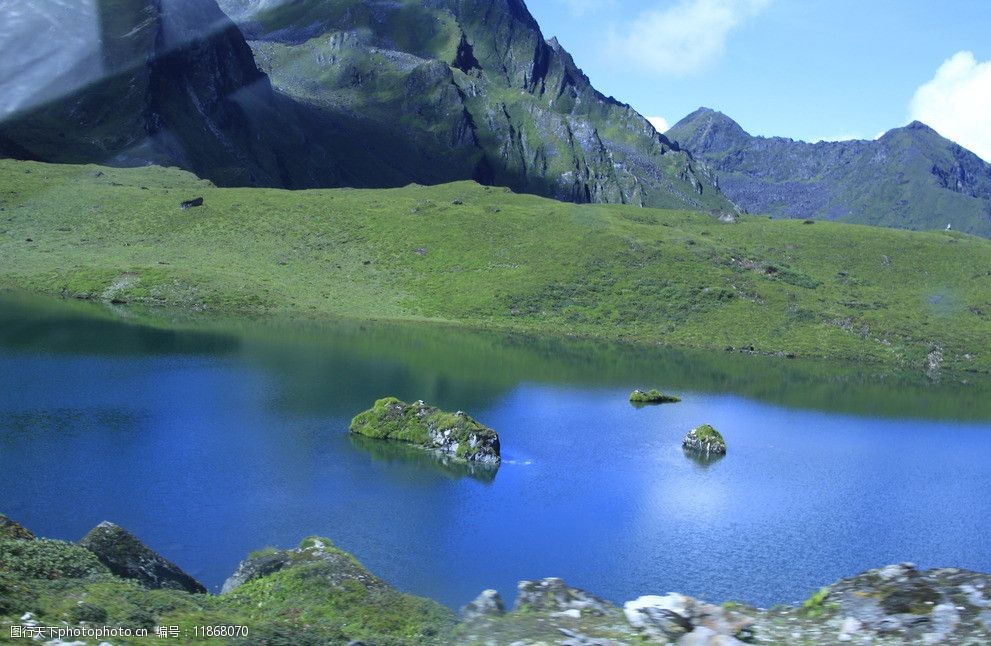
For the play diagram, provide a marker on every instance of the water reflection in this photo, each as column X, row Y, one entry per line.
column 704, row 460
column 398, row 452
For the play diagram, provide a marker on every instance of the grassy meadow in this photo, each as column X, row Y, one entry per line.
column 483, row 256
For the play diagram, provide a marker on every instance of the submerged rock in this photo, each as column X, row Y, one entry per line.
column 12, row 530
column 488, row 604
column 127, row 557
column 704, row 440
column 454, row 434
column 652, row 396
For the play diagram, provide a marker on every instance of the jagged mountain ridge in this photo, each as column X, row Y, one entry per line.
column 910, row 178
column 465, row 88
column 366, row 93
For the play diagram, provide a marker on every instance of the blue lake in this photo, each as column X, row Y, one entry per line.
column 210, row 439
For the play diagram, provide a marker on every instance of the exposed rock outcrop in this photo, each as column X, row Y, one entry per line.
column 554, row 595
column 705, row 440
column 487, row 604
column 454, row 434
column 675, row 616
column 129, row 558
column 311, row 550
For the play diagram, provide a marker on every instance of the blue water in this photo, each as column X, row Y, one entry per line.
column 211, row 441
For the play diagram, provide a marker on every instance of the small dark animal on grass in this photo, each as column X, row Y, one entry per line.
column 188, row 204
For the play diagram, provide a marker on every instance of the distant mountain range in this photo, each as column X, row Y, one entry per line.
column 910, row 178
column 357, row 93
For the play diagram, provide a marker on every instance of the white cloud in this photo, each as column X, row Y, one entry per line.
column 681, row 38
column 582, row 7
column 660, row 124
column 957, row 102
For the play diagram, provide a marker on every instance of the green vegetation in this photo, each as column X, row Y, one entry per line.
column 816, row 606
column 322, row 595
column 495, row 259
column 652, row 396
column 428, row 427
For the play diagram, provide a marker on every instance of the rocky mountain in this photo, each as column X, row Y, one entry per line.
column 133, row 82
column 363, row 93
column 456, row 89
column 909, row 178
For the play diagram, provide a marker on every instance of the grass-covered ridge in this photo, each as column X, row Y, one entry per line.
column 483, row 256
column 315, row 594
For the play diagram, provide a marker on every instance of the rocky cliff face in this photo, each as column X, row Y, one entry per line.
column 131, row 82
column 463, row 89
column 910, row 178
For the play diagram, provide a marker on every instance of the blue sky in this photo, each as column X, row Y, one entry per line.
column 807, row 69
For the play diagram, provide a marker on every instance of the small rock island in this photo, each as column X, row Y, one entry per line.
column 419, row 424
column 705, row 440
column 652, row 396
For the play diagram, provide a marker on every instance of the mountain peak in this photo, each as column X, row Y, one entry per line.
column 707, row 130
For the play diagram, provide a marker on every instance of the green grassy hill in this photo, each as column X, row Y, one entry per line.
column 484, row 256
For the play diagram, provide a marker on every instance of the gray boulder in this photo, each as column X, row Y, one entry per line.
column 677, row 617
column 487, row 604
column 554, row 595
column 127, row 557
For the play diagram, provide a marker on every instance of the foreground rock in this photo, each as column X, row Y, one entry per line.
column 652, row 396
column 454, row 434
column 127, row 557
column 675, row 616
column 704, row 440
column 317, row 594
column 554, row 595
column 488, row 604
column 896, row 605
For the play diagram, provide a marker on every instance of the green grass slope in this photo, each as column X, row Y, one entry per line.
column 484, row 256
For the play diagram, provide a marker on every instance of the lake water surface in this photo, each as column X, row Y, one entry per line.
column 210, row 439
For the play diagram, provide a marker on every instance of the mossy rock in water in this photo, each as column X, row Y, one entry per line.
column 652, row 396
column 705, row 439
column 455, row 434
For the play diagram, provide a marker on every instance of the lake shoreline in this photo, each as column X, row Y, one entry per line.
column 175, row 315
column 42, row 578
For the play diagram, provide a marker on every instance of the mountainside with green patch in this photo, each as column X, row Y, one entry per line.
column 464, row 89
column 910, row 178
column 483, row 256
column 330, row 93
